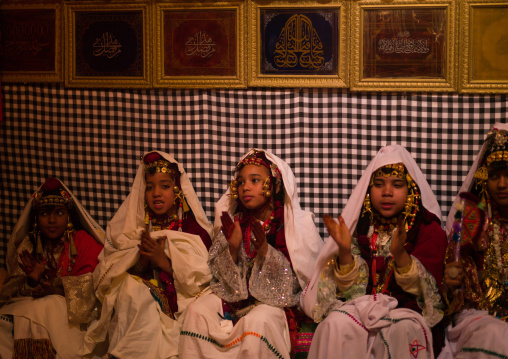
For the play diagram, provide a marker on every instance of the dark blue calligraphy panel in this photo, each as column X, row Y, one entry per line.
column 299, row 41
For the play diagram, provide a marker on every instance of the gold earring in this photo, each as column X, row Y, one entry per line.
column 266, row 188
column 233, row 189
column 69, row 230
column 367, row 208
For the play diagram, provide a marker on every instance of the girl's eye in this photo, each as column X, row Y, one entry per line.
column 148, row 188
column 378, row 184
column 241, row 183
column 166, row 186
column 60, row 213
column 255, row 180
column 43, row 213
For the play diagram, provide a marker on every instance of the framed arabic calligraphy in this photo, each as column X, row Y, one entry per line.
column 407, row 45
column 31, row 42
column 199, row 45
column 484, row 46
column 301, row 44
column 110, row 44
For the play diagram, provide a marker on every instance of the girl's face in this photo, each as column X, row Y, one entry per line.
column 497, row 186
column 250, row 186
column 159, row 194
column 388, row 195
column 53, row 221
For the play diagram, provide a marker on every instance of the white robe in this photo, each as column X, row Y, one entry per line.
column 134, row 321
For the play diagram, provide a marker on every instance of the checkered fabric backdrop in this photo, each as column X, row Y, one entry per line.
column 93, row 140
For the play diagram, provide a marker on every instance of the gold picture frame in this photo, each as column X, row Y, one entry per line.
column 484, row 53
column 298, row 44
column 200, row 44
column 109, row 44
column 31, row 53
column 404, row 45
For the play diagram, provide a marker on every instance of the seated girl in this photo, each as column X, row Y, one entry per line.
column 260, row 261
column 155, row 262
column 476, row 273
column 375, row 288
column 48, row 296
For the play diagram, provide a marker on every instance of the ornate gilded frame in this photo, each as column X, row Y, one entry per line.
column 339, row 77
column 445, row 82
column 138, row 73
column 222, row 23
column 484, row 32
column 26, row 75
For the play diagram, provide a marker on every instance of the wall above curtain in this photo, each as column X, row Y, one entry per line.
column 365, row 45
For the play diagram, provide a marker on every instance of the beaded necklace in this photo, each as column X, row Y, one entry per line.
column 158, row 223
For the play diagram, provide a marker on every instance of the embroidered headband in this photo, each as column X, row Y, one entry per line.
column 392, row 170
column 52, row 194
column 255, row 159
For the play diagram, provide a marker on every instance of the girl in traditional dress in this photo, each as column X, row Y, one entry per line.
column 260, row 260
column 49, row 296
column 155, row 263
column 375, row 288
column 476, row 274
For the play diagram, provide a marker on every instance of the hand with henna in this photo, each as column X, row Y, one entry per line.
column 153, row 251
column 233, row 234
column 33, row 268
column 260, row 239
column 46, row 288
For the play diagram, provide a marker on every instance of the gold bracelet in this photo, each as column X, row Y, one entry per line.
column 405, row 269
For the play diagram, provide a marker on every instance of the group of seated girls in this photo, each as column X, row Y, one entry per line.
column 163, row 282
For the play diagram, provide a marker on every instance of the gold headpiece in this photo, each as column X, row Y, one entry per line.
column 395, row 170
column 496, row 150
column 255, row 159
column 52, row 194
column 161, row 166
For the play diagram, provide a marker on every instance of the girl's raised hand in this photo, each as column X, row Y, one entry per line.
column 233, row 234
column 338, row 231
column 260, row 239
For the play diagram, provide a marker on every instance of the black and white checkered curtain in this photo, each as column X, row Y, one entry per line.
column 93, row 140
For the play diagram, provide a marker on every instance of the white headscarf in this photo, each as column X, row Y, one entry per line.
column 20, row 231
column 302, row 237
column 352, row 211
column 468, row 183
column 124, row 228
